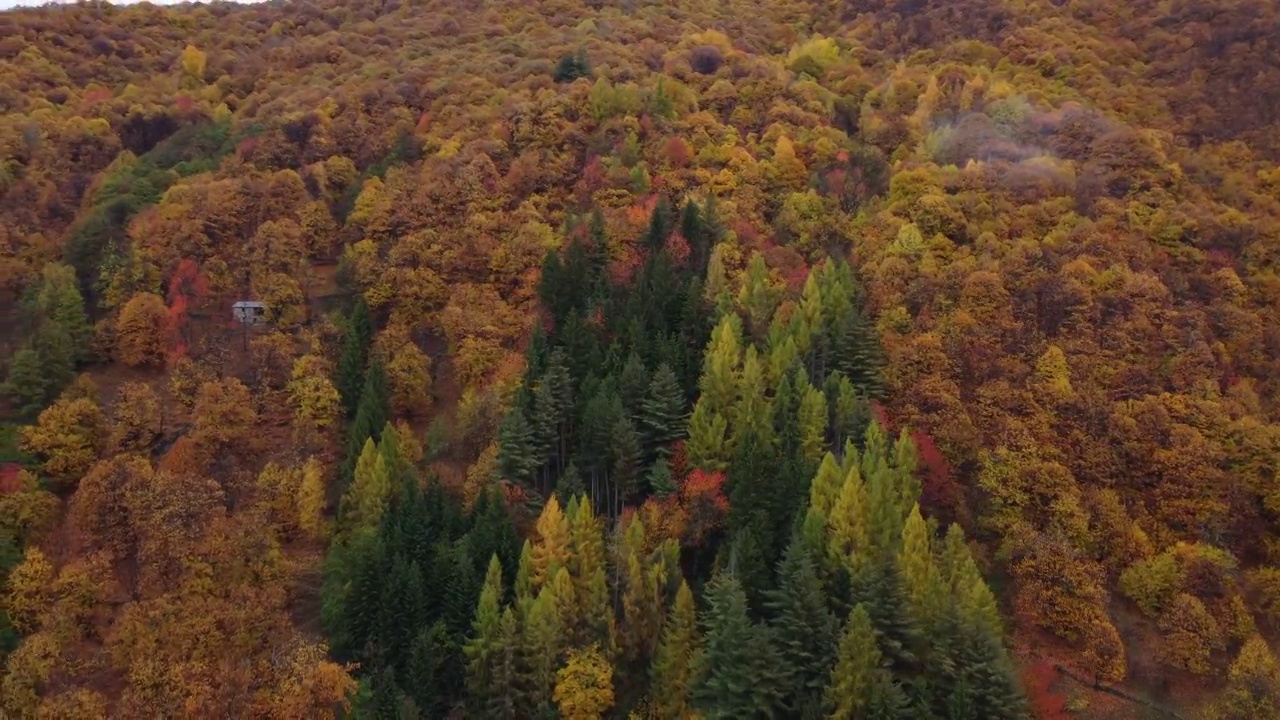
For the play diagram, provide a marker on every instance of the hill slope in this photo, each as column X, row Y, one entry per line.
column 1064, row 220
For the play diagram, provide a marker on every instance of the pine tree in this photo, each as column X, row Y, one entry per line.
column 921, row 581
column 812, row 421
column 544, row 642
column 481, row 649
column 366, row 499
column 751, row 411
column 641, row 623
column 676, row 659
column 737, row 671
column 500, row 699
column 827, row 485
column 708, row 445
column 860, row 685
column 722, row 366
column 758, row 298
column 554, row 544
column 355, row 350
column 662, row 416
column 805, row 632
column 587, row 563
column 849, row 525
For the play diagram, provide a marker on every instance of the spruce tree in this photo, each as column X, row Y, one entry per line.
column 676, row 659
column 737, row 671
column 432, row 674
column 805, row 631
column 659, row 480
column 626, row 451
column 633, row 384
column 662, row 416
column 517, row 449
column 879, row 589
column 375, row 402
column 355, row 350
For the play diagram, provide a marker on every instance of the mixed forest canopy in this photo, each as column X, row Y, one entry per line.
column 705, row 358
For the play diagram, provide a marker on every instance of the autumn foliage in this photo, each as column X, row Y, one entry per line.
column 659, row 260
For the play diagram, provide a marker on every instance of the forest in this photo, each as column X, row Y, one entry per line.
column 636, row 359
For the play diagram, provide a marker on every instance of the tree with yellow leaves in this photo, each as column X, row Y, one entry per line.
column 316, row 402
column 140, row 330
column 136, row 419
column 65, row 437
column 584, row 686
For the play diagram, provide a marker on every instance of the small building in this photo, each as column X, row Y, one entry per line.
column 249, row 312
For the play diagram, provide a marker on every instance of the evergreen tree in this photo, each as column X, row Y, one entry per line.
column 827, row 486
column 501, row 698
column 27, row 386
column 805, row 632
column 517, row 449
column 708, row 444
column 922, row 584
column 570, row 482
column 484, row 649
column 860, row 685
column 432, row 675
column 812, row 422
column 633, row 384
column 722, row 367
column 554, row 545
column 544, row 642
column 736, row 672
column 57, row 351
column 662, row 414
column 659, row 478
column 59, row 303
column 676, row 659
column 626, row 450
column 375, row 402
column 850, row 533
column 879, row 589
column 366, row 499
column 355, row 351
column 587, row 563
column 752, row 411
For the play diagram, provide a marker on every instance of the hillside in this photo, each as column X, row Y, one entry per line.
column 788, row 316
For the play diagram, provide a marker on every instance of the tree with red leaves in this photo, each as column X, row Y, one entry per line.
column 187, row 287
